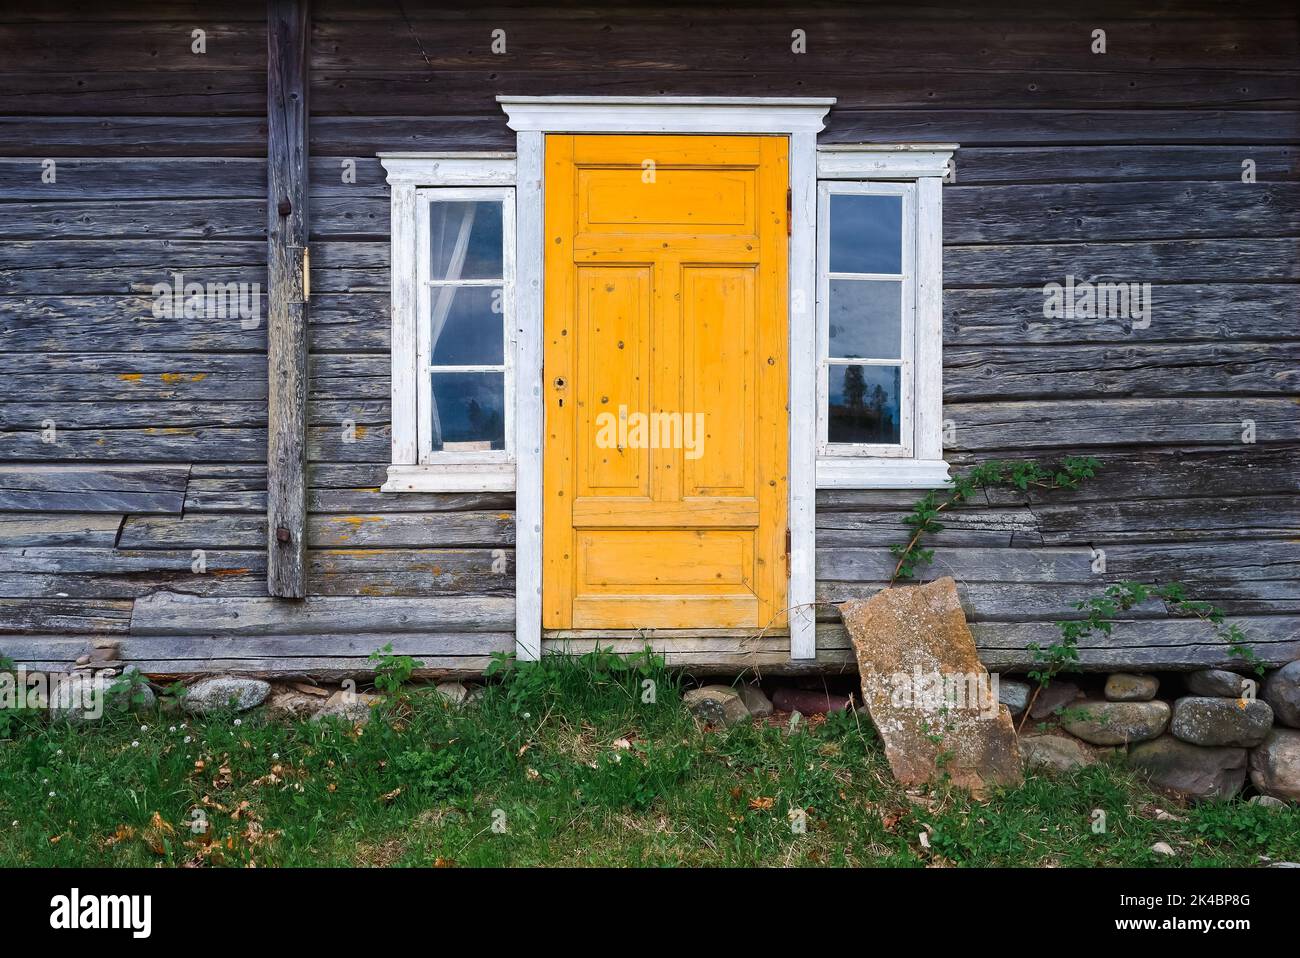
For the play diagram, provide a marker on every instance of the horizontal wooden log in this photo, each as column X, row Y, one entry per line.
column 1155, row 261
column 221, row 495
column 1044, row 213
column 172, row 614
column 89, row 489
column 361, row 91
column 376, row 531
column 1170, row 644
column 848, row 40
column 1168, row 473
column 966, row 526
column 1182, row 313
column 1063, row 127
column 121, row 91
column 50, row 48
column 1127, row 164
column 164, row 444
column 91, row 616
column 133, row 219
column 1076, row 424
column 1133, row 369
column 184, row 177
column 19, row 531
column 1223, row 517
column 144, row 377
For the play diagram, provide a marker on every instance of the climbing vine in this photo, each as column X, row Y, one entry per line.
column 1102, row 610
column 1019, row 474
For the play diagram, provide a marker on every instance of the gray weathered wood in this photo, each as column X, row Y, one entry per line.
column 89, row 489
column 20, row 531
column 288, row 31
column 166, row 613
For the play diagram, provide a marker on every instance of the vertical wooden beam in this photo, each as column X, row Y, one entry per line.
column 287, row 287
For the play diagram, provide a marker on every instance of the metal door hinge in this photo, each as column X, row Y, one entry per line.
column 306, row 273
column 789, row 214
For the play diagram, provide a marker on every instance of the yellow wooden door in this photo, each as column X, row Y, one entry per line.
column 665, row 380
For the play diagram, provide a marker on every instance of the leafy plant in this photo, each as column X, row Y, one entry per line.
column 1102, row 610
column 392, row 671
column 436, row 773
column 1018, row 474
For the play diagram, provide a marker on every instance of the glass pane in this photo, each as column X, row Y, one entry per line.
column 465, row 240
column 866, row 233
column 468, row 412
column 466, row 326
column 864, row 404
column 866, row 319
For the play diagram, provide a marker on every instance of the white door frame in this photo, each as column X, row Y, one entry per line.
column 532, row 117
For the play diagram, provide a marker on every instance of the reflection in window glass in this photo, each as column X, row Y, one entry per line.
column 866, row 319
column 468, row 411
column 466, row 326
column 465, row 240
column 864, row 404
column 866, row 233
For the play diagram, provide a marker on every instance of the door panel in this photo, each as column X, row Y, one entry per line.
column 665, row 381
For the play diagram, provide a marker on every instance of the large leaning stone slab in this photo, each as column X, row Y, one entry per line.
column 222, row 692
column 926, row 690
column 1116, row 723
column 1275, row 764
column 1191, row 770
column 1282, row 692
column 1206, row 720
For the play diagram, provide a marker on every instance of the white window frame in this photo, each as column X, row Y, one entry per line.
column 416, row 180
column 425, row 198
column 914, row 171
column 906, row 279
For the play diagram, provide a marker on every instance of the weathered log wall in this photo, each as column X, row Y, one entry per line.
column 1123, row 166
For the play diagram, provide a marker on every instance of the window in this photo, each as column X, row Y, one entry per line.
column 866, row 326
column 879, row 316
column 453, row 310
column 465, row 362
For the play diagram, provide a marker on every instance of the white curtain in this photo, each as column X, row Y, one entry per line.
column 443, row 296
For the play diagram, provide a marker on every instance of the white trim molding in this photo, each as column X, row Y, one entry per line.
column 531, row 117
column 920, row 168
column 414, row 178
column 665, row 114
column 883, row 161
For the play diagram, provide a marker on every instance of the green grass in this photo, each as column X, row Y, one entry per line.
column 579, row 771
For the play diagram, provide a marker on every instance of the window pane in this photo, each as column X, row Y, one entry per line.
column 465, row 240
column 866, row 319
column 866, row 233
column 466, row 326
column 468, row 411
column 864, row 404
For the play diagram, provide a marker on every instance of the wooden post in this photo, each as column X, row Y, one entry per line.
column 287, row 282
